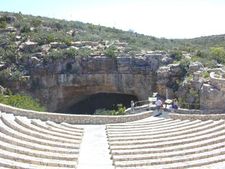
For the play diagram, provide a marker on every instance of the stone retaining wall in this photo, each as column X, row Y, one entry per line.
column 73, row 119
column 203, row 117
column 186, row 114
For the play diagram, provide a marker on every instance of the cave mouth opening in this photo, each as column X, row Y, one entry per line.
column 107, row 101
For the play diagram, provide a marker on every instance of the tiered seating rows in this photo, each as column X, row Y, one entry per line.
column 29, row 143
column 166, row 143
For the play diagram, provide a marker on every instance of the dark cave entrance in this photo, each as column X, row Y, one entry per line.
column 108, row 101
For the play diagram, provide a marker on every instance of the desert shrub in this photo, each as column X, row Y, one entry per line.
column 104, row 112
column 3, row 24
column 120, row 110
column 184, row 64
column 205, row 74
column 21, row 101
column 70, row 53
column 111, row 51
column 218, row 53
column 25, row 28
column 177, row 55
column 55, row 54
column 185, row 103
column 36, row 22
column 84, row 52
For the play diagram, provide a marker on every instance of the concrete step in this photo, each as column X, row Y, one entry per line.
column 27, row 124
column 168, row 139
column 212, row 165
column 17, row 134
column 6, row 163
column 181, row 147
column 36, row 153
column 157, row 132
column 35, row 146
column 152, row 120
column 170, row 143
column 162, row 155
column 65, row 126
column 42, row 124
column 35, row 160
column 156, row 126
column 148, row 164
column 170, row 134
column 137, row 124
column 9, row 121
column 9, row 135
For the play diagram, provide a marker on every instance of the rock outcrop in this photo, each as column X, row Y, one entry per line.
column 167, row 77
column 62, row 83
column 212, row 95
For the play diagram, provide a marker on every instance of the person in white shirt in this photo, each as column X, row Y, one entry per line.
column 158, row 104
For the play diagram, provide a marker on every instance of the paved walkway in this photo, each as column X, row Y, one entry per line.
column 94, row 152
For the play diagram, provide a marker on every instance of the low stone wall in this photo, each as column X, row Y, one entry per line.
column 73, row 119
column 188, row 111
column 197, row 111
column 186, row 114
column 202, row 117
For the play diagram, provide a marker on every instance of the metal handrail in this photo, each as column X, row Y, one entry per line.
column 140, row 103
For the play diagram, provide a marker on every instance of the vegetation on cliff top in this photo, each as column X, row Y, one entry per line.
column 21, row 101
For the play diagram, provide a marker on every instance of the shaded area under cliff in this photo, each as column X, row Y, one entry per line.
column 107, row 101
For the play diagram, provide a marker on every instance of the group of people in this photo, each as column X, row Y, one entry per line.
column 159, row 104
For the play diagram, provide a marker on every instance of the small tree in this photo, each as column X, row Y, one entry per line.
column 218, row 53
column 111, row 51
column 3, row 24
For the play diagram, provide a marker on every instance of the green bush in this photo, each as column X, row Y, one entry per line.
column 25, row 28
column 36, row 22
column 177, row 55
column 119, row 111
column 104, row 112
column 21, row 101
column 218, row 53
column 84, row 52
column 184, row 64
column 205, row 74
column 54, row 55
column 111, row 51
column 3, row 24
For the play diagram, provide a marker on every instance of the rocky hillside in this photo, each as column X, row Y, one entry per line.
column 25, row 37
column 38, row 46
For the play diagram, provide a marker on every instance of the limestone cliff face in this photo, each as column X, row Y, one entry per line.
column 64, row 82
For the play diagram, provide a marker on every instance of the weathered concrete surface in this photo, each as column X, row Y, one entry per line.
column 94, row 152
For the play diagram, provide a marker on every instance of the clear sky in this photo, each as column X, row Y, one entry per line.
column 160, row 18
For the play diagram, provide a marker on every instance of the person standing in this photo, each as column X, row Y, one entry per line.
column 158, row 104
column 132, row 106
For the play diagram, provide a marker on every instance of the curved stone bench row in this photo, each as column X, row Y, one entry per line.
column 155, row 132
column 23, row 144
column 167, row 144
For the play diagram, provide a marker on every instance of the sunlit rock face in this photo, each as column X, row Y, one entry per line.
column 212, row 94
column 62, row 83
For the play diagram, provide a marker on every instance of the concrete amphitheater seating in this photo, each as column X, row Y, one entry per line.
column 166, row 143
column 33, row 144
